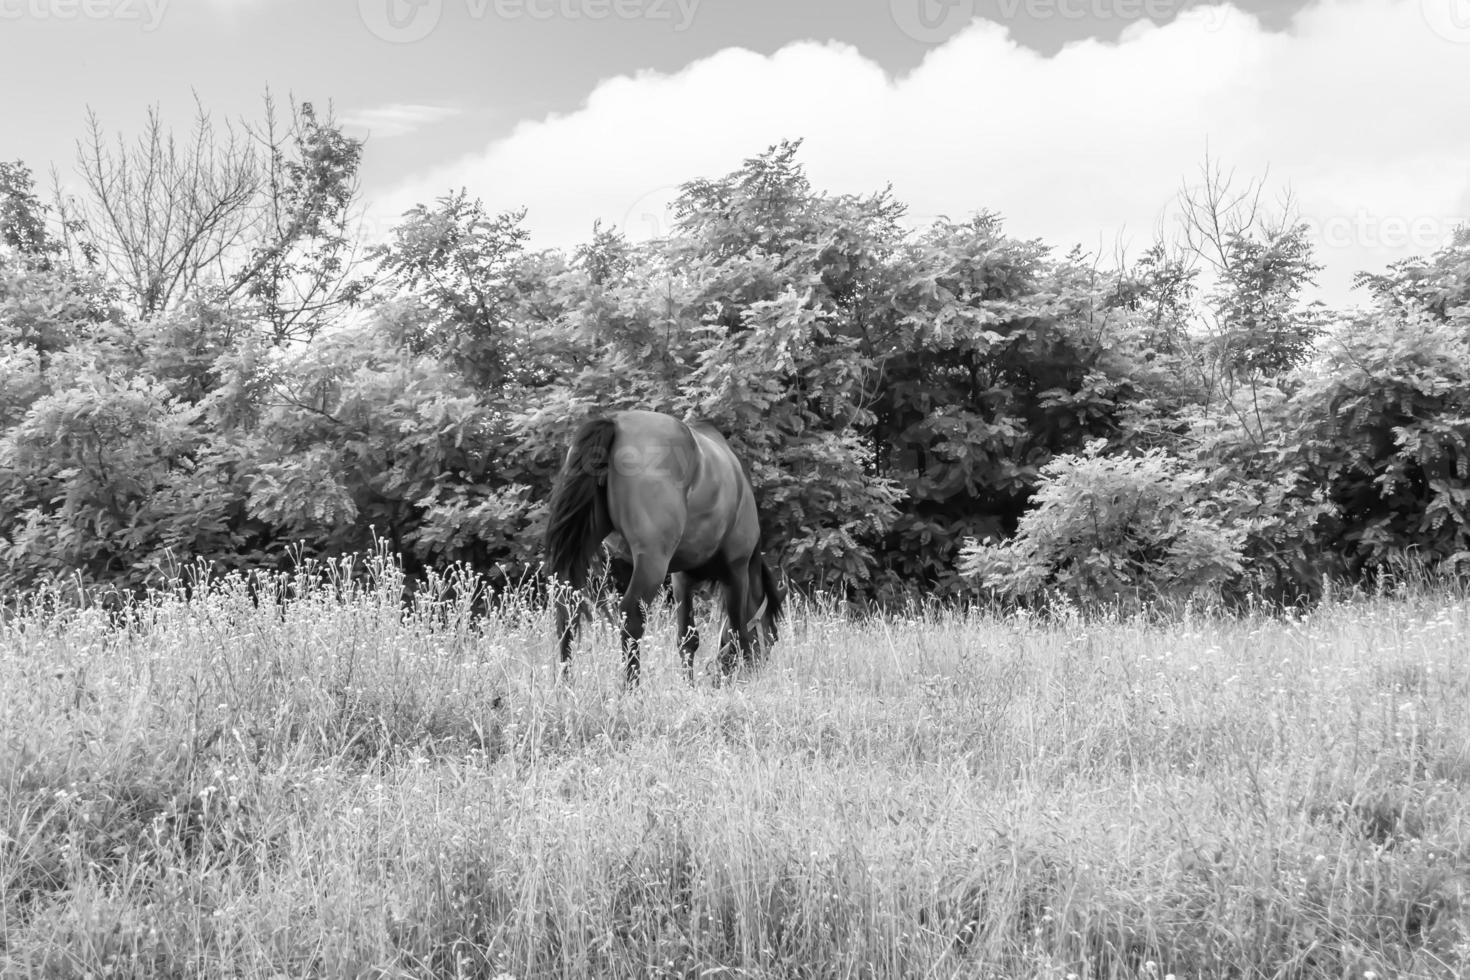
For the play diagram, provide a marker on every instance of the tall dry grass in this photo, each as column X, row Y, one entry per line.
column 331, row 788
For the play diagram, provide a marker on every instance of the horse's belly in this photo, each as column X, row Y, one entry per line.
column 684, row 559
column 692, row 556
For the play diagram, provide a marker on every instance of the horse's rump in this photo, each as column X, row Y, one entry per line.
column 669, row 497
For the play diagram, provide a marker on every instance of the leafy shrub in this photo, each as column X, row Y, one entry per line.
column 111, row 481
column 1249, row 452
column 1385, row 417
column 1388, row 425
column 1113, row 529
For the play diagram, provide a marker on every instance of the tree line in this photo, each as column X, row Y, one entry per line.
column 200, row 361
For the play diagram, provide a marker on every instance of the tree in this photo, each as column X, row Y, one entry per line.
column 23, row 217
column 786, row 286
column 457, row 262
column 46, row 304
column 1003, row 357
column 1385, row 417
column 254, row 217
column 1261, row 263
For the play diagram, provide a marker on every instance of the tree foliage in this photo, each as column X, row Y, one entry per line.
column 1385, row 416
column 198, row 389
column 1116, row 529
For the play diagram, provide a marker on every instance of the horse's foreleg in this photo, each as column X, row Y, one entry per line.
column 648, row 575
column 688, row 636
column 632, row 635
column 565, row 624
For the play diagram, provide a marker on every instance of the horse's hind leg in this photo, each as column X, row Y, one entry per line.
column 687, row 635
column 648, row 574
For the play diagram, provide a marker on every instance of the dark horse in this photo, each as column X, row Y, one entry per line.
column 667, row 497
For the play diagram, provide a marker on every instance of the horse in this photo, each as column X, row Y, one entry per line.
column 667, row 497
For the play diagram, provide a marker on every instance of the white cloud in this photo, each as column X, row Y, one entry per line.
column 397, row 118
column 1359, row 108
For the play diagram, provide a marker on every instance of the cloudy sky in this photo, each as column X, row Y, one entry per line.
column 1075, row 119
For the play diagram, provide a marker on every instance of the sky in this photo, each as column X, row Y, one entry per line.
column 1077, row 120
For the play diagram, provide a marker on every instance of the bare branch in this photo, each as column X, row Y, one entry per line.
column 254, row 217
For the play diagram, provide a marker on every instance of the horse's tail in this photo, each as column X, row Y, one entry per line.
column 578, row 520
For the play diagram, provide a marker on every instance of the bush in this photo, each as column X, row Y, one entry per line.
column 1387, row 425
column 1113, row 529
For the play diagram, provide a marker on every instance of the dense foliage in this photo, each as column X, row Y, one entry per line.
column 896, row 393
column 1122, row 529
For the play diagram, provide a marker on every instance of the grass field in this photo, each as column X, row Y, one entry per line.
column 218, row 790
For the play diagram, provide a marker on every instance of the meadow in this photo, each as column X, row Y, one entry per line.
column 216, row 788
